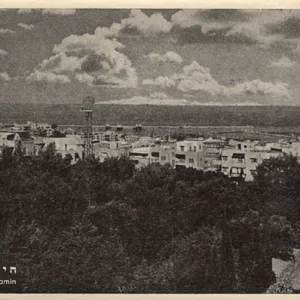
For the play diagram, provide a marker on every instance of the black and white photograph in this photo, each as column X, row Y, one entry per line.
column 149, row 151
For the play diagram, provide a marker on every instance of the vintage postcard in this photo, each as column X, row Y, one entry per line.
column 149, row 150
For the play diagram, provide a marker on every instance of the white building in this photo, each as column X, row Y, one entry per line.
column 71, row 145
column 243, row 163
column 167, row 154
column 141, row 156
column 189, row 154
column 7, row 139
column 107, row 149
column 144, row 141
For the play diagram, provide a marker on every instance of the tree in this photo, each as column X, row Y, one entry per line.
column 151, row 230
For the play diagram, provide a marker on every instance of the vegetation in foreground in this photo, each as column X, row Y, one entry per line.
column 157, row 230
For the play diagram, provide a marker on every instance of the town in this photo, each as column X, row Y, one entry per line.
column 148, row 151
column 237, row 158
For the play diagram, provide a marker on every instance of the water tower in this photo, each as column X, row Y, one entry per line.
column 87, row 109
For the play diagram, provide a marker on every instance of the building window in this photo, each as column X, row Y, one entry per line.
column 180, row 156
column 138, row 154
column 199, row 147
column 163, row 158
column 181, row 148
column 237, row 171
column 224, row 158
column 253, row 160
column 240, row 160
column 195, row 148
column 239, row 156
column 191, row 160
column 155, row 154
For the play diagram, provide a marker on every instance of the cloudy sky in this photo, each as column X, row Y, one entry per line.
column 175, row 57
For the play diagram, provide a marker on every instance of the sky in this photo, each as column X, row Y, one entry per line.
column 160, row 57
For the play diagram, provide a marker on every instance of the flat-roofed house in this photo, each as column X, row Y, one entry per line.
column 67, row 146
column 7, row 139
column 141, row 156
column 189, row 154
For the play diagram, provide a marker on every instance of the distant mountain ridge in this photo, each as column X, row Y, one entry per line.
column 259, row 116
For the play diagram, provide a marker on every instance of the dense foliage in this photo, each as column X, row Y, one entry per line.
column 157, row 230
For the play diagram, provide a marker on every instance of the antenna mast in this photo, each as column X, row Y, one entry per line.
column 87, row 109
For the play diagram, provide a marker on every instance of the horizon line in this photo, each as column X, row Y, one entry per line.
column 172, row 105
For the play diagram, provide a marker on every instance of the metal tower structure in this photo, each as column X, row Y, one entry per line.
column 87, row 109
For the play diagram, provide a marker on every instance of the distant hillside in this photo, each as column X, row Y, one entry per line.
column 154, row 115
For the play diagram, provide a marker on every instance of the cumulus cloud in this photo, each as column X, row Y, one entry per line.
column 6, row 31
column 136, row 23
column 186, row 18
column 4, row 76
column 159, row 98
column 60, row 63
column 85, row 78
column 161, row 81
column 237, row 26
column 283, row 62
column 195, row 77
column 62, row 12
column 3, row 52
column 47, row 76
column 169, row 56
column 140, row 22
column 257, row 87
column 206, row 21
column 26, row 26
column 99, row 41
column 92, row 59
column 252, row 33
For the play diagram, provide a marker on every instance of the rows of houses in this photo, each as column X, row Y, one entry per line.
column 233, row 158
